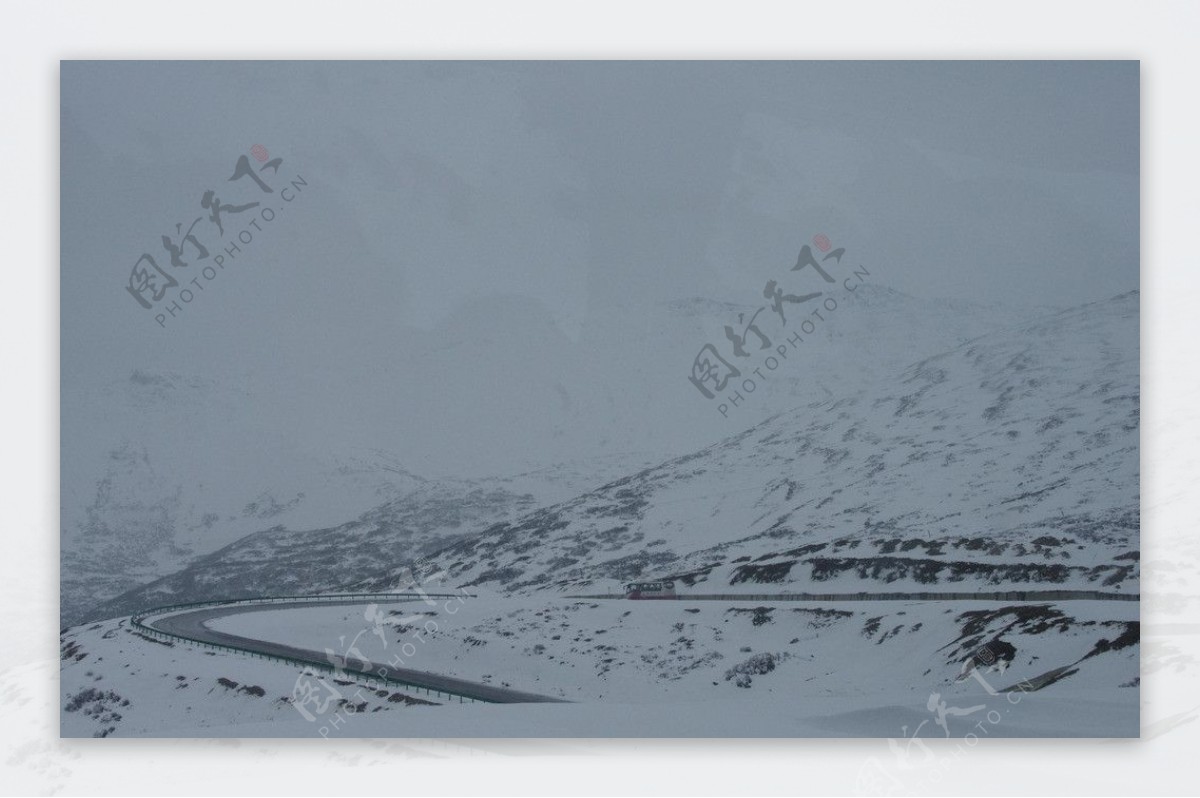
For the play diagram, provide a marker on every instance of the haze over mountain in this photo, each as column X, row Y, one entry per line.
column 479, row 335
column 439, row 305
column 184, row 466
column 1007, row 462
column 992, row 463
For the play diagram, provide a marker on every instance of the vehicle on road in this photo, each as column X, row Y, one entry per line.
column 650, row 590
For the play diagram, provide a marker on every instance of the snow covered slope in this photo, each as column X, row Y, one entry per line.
column 693, row 668
column 695, row 650
column 161, row 468
column 282, row 561
column 115, row 682
column 1007, row 462
column 144, row 520
column 1011, row 460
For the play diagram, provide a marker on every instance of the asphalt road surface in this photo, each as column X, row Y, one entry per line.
column 192, row 625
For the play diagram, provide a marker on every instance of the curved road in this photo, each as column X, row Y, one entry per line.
column 192, row 624
column 995, row 595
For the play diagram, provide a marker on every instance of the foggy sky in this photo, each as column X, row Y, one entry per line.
column 436, row 191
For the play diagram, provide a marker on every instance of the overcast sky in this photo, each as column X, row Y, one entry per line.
column 438, row 191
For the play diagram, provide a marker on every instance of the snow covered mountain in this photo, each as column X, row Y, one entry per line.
column 143, row 521
column 283, row 560
column 654, row 668
column 1010, row 460
column 1007, row 462
column 160, row 469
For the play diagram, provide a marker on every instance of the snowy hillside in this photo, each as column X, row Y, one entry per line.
column 283, row 561
column 144, row 521
column 825, row 669
column 117, row 683
column 687, row 651
column 162, row 469
column 1010, row 460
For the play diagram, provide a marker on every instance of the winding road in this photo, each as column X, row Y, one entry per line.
column 193, row 625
